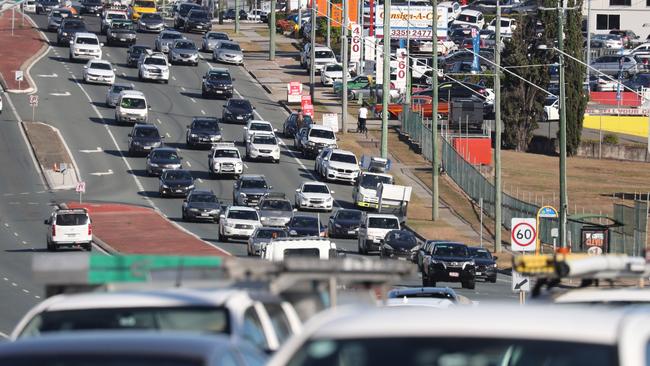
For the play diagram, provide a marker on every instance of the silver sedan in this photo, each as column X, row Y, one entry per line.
column 210, row 39
column 228, row 52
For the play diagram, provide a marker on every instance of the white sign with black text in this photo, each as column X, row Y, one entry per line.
column 523, row 234
column 402, row 64
column 355, row 43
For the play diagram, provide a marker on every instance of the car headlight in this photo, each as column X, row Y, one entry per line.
column 468, row 263
column 137, row 143
column 338, row 226
column 328, row 199
column 194, row 209
column 276, row 149
column 65, row 34
column 193, row 135
column 191, row 186
column 153, row 165
column 157, row 144
column 228, row 224
column 176, row 166
column 165, row 186
column 311, row 143
column 493, row 265
column 242, row 194
column 215, row 138
column 254, row 148
column 238, row 164
column 386, row 246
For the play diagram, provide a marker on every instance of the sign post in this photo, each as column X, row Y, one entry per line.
column 19, row 77
column 523, row 238
column 81, row 189
column 33, row 101
column 294, row 92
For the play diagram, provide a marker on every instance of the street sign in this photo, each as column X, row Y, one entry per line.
column 19, row 75
column 547, row 211
column 402, row 64
column 355, row 43
column 523, row 234
column 81, row 187
column 520, row 283
column 33, row 100
column 294, row 91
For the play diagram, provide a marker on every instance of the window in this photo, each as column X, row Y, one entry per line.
column 607, row 21
column 620, row 2
column 253, row 330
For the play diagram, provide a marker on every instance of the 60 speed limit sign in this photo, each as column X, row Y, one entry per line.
column 523, row 235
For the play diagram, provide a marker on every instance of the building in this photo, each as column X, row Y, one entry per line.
column 605, row 15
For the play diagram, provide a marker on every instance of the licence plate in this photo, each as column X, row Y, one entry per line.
column 478, row 273
column 179, row 191
column 454, row 274
column 71, row 234
column 205, row 214
column 199, row 27
column 240, row 117
column 352, row 231
column 219, row 91
column 122, row 39
column 147, row 147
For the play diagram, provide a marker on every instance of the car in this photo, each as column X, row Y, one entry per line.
column 139, row 7
column 367, row 91
column 508, row 25
column 182, row 10
column 344, row 223
column 603, row 83
column 449, row 60
column 46, row 6
column 224, row 159
column 255, row 15
column 322, row 56
column 627, row 36
column 99, row 71
column 67, row 29
column 256, row 126
column 249, row 189
column 29, row 6
column 175, row 183
column 453, row 9
column 638, row 82
column 442, row 293
column 238, row 222
column 117, row 348
column 373, row 230
column 425, row 250
column 210, row 39
column 151, row 22
column 109, row 16
column 301, row 247
column 486, row 264
column 165, row 39
column 275, row 210
column 113, row 93
column 69, row 228
column 306, row 226
column 263, row 146
column 217, row 82
column 134, row 52
column 161, row 159
column 399, row 244
column 203, row 131
column 337, row 164
column 613, row 41
column 358, row 82
column 55, row 18
column 183, row 51
column 613, row 64
column 131, row 107
column 228, row 52
column 449, row 262
column 331, row 73
column 314, row 195
column 121, row 32
column 551, row 109
column 294, row 123
column 154, row 67
column 237, row 111
column 197, row 20
column 143, row 138
column 311, row 140
column 261, row 237
column 365, row 191
column 526, row 7
column 94, row 7
column 230, row 14
column 468, row 17
column 85, row 46
column 458, row 35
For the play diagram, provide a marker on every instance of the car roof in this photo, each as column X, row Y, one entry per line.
column 132, row 93
column 100, row 61
column 167, row 31
column 202, row 191
column 319, row 127
column 314, row 182
column 343, row 152
column 171, row 149
column 85, row 35
column 397, row 292
column 242, row 208
column 205, row 118
column 220, row 69
column 470, row 12
column 381, row 215
column 227, row 41
column 258, row 121
column 252, row 177
column 145, row 125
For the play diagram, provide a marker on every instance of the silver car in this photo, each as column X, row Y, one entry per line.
column 228, row 52
column 183, row 51
column 275, row 210
column 210, row 39
column 151, row 22
column 113, row 93
column 262, row 236
column 612, row 64
column 165, row 39
column 55, row 18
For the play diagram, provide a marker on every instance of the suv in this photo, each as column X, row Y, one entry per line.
column 68, row 28
column 335, row 164
column 110, row 16
column 56, row 17
column 94, row 7
column 263, row 145
column 197, row 20
column 69, row 228
column 181, row 15
column 203, row 131
column 311, row 140
column 304, row 247
column 450, row 262
column 256, row 126
column 238, row 222
column 131, row 107
column 85, row 46
column 249, row 189
column 611, row 65
column 224, row 159
column 153, row 67
column 217, row 81
column 373, row 229
column 323, row 56
column 183, row 51
column 121, row 32
column 275, row 210
column 144, row 138
column 165, row 39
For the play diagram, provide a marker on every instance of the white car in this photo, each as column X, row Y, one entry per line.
column 373, row 230
column 109, row 16
column 508, row 25
column 29, row 6
column 224, row 159
column 85, row 46
column 468, row 17
column 256, row 15
column 331, row 73
column 99, row 71
column 69, row 228
column 314, row 195
column 263, row 145
column 131, row 107
column 364, row 193
column 238, row 222
column 306, row 247
column 323, row 56
column 551, row 109
column 255, row 126
column 453, row 9
column 113, row 93
column 154, row 67
column 336, row 164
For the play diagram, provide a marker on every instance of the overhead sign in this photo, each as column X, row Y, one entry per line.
column 19, row 75
column 523, row 234
column 412, row 22
column 402, row 64
column 81, row 187
column 355, row 43
column 520, row 283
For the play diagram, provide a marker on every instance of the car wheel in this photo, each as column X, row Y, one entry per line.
column 364, row 248
column 493, row 279
column 223, row 238
column 204, row 95
column 277, row 161
column 471, row 284
column 184, row 216
column 545, row 117
column 87, row 247
column 359, row 247
column 51, row 247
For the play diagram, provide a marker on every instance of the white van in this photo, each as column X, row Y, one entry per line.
column 508, row 25
column 306, row 247
column 69, row 228
column 29, row 6
column 131, row 107
column 473, row 18
column 85, row 46
column 373, row 229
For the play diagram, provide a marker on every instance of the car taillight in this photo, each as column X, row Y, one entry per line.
column 53, row 230
column 90, row 229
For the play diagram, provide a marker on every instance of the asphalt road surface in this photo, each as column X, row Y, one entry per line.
column 99, row 148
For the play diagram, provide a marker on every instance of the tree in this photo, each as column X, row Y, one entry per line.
column 522, row 104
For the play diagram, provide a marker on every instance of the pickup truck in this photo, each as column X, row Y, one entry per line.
column 449, row 262
column 364, row 193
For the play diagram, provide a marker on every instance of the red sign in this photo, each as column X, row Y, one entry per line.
column 295, row 88
column 308, row 109
column 305, row 100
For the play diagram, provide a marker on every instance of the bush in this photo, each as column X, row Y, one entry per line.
column 610, row 139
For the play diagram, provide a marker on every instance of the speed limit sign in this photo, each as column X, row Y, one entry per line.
column 523, row 235
column 355, row 43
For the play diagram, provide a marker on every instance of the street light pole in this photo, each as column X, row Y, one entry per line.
column 236, row 16
column 386, row 81
column 344, row 61
column 588, row 40
column 497, row 133
column 407, row 98
column 563, row 189
column 312, row 51
column 329, row 23
column 272, row 31
column 435, row 191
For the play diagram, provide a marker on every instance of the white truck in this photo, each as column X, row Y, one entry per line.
column 306, row 247
column 373, row 229
column 224, row 159
column 364, row 193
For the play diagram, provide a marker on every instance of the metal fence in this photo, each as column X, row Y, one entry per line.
column 630, row 238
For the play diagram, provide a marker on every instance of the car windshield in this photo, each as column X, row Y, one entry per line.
column 110, row 358
column 448, row 351
column 122, row 25
column 371, row 181
column 238, row 103
column 383, row 222
column 324, row 54
column 264, row 140
column 147, row 132
column 422, row 294
column 172, row 36
column 323, row 134
column 230, row 46
column 144, row 4
column 480, row 253
column 315, row 188
column 218, row 75
column 230, row 153
column 344, row 158
column 203, row 198
column 177, row 175
column 349, row 215
column 202, row 319
column 260, row 127
column 466, row 18
column 112, row 16
column 334, row 68
column 100, row 66
column 137, row 51
column 242, row 215
column 450, row 250
column 87, row 41
column 116, row 89
column 271, row 234
column 217, row 35
column 71, row 219
column 151, row 16
column 304, row 221
column 402, row 239
column 185, row 45
column 253, row 183
column 133, row 103
column 204, row 124
column 155, row 61
column 276, row 205
column 185, row 8
column 167, row 155
column 200, row 14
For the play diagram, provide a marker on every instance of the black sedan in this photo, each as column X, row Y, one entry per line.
column 305, row 225
column 292, row 124
column 161, row 159
column 197, row 20
column 486, row 264
column 344, row 224
column 217, row 82
column 237, row 111
column 204, row 131
column 201, row 205
column 144, row 138
column 175, row 183
column 399, row 244
column 230, row 14
column 94, row 7
column 121, row 32
column 44, row 6
column 134, row 52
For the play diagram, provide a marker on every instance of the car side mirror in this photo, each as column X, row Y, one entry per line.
column 46, row 221
column 129, row 135
column 298, row 190
column 293, row 233
column 149, row 107
column 332, row 192
column 70, row 42
column 85, row 67
column 222, row 217
column 101, row 45
column 114, row 69
column 246, row 128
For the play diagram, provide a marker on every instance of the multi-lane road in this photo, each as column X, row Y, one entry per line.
column 78, row 111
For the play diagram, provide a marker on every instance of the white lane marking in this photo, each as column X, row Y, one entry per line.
column 245, row 166
column 41, row 191
column 98, row 149
column 5, row 278
column 188, row 164
column 202, row 111
column 159, row 121
column 24, row 242
column 25, row 291
column 108, row 54
column 4, row 335
column 52, row 75
column 168, row 135
column 15, row 234
column 36, row 296
column 200, row 180
column 99, row 174
column 182, row 88
column 123, row 74
column 7, row 194
column 23, row 193
column 193, row 100
column 174, row 78
column 65, row 94
column 6, row 225
column 14, row 284
column 32, row 203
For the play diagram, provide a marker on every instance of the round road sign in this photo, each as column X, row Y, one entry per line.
column 523, row 234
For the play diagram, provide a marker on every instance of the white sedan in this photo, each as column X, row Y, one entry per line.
column 551, row 109
column 314, row 195
column 332, row 73
column 256, row 126
column 99, row 71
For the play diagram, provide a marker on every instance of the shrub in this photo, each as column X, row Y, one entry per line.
column 610, row 139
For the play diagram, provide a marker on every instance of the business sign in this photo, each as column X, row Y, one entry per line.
column 337, row 11
column 306, row 105
column 413, row 22
column 355, row 43
column 369, row 45
column 331, row 120
column 294, row 92
column 402, row 64
column 523, row 234
column 594, row 240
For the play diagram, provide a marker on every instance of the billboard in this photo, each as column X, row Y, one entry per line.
column 337, row 11
column 413, row 20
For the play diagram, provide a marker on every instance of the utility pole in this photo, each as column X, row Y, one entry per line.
column 312, row 51
column 563, row 190
column 237, row 16
column 221, row 11
column 362, row 40
column 344, row 60
column 329, row 23
column 435, row 191
column 407, row 98
column 272, row 31
column 588, row 41
column 299, row 16
column 386, row 81
column 497, row 133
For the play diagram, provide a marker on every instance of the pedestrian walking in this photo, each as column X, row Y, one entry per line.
column 361, row 122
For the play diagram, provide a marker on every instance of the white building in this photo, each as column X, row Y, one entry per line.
column 606, row 15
